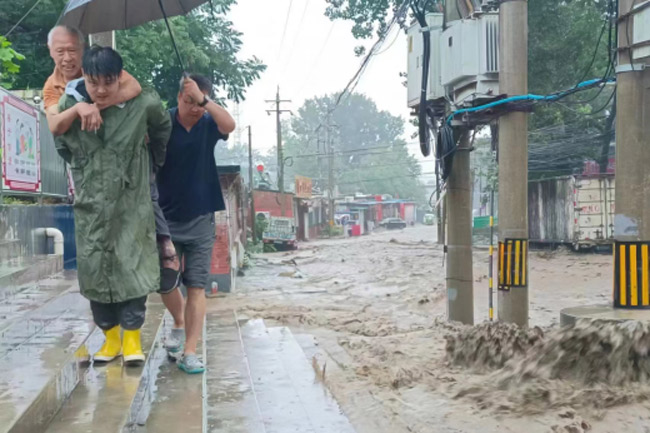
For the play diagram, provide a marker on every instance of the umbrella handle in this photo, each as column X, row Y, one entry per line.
column 171, row 36
column 182, row 82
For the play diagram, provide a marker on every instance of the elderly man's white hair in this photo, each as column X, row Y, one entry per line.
column 71, row 31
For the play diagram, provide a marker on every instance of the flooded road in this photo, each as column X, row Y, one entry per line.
column 370, row 313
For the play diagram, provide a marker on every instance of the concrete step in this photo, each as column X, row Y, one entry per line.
column 320, row 406
column 173, row 401
column 9, row 249
column 18, row 273
column 232, row 405
column 30, row 297
column 259, row 380
column 40, row 358
column 103, row 400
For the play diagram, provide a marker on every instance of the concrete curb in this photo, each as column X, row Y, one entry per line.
column 63, row 378
column 145, row 395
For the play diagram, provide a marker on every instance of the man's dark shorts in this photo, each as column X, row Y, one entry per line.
column 194, row 241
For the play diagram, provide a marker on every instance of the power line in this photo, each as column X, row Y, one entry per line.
column 354, row 152
column 397, row 34
column 386, row 178
column 295, row 39
column 22, row 18
column 284, row 31
column 320, row 53
column 354, row 81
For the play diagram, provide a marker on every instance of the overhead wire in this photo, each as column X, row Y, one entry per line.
column 354, row 81
column 595, row 54
column 6, row 35
column 284, row 31
column 295, row 39
column 317, row 59
column 397, row 35
column 386, row 178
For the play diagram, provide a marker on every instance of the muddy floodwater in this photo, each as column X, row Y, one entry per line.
column 370, row 313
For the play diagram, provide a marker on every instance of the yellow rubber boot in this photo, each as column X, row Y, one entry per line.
column 112, row 347
column 132, row 348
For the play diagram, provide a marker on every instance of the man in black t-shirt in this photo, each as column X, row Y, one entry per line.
column 190, row 194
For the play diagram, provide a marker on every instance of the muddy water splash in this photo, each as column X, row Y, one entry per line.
column 594, row 364
column 490, row 345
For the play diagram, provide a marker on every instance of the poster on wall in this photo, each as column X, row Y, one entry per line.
column 21, row 153
column 303, row 187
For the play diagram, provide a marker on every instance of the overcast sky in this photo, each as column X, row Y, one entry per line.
column 315, row 57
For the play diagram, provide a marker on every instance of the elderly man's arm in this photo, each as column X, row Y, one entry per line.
column 159, row 129
column 60, row 122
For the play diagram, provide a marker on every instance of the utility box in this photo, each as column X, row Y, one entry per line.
column 415, row 58
column 469, row 55
column 641, row 36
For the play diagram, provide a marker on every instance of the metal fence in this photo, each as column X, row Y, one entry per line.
column 54, row 178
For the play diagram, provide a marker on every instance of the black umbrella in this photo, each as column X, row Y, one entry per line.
column 96, row 16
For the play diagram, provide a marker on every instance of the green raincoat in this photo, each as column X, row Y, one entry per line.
column 117, row 256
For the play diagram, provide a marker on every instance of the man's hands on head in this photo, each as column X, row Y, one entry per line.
column 191, row 89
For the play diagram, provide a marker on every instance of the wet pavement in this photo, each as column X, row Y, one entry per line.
column 175, row 402
column 103, row 400
column 258, row 379
column 232, row 404
column 38, row 366
column 28, row 298
column 261, row 381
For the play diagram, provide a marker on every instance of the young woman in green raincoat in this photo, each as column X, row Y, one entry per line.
column 117, row 256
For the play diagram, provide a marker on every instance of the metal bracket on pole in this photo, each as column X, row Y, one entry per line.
column 630, row 67
column 430, row 28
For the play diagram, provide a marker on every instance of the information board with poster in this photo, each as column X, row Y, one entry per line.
column 303, row 187
column 21, row 153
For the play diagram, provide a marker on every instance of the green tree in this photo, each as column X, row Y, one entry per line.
column 568, row 42
column 30, row 38
column 208, row 43
column 8, row 67
column 368, row 152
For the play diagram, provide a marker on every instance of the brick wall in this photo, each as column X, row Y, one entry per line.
column 269, row 201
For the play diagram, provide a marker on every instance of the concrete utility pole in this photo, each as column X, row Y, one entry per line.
column 632, row 206
column 251, row 182
column 278, row 112
column 439, row 211
column 330, row 169
column 460, row 279
column 330, row 166
column 237, row 132
column 106, row 39
column 632, row 218
column 513, row 161
column 328, row 149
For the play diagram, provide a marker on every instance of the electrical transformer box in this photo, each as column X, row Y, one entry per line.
column 469, row 58
column 641, row 31
column 415, row 58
